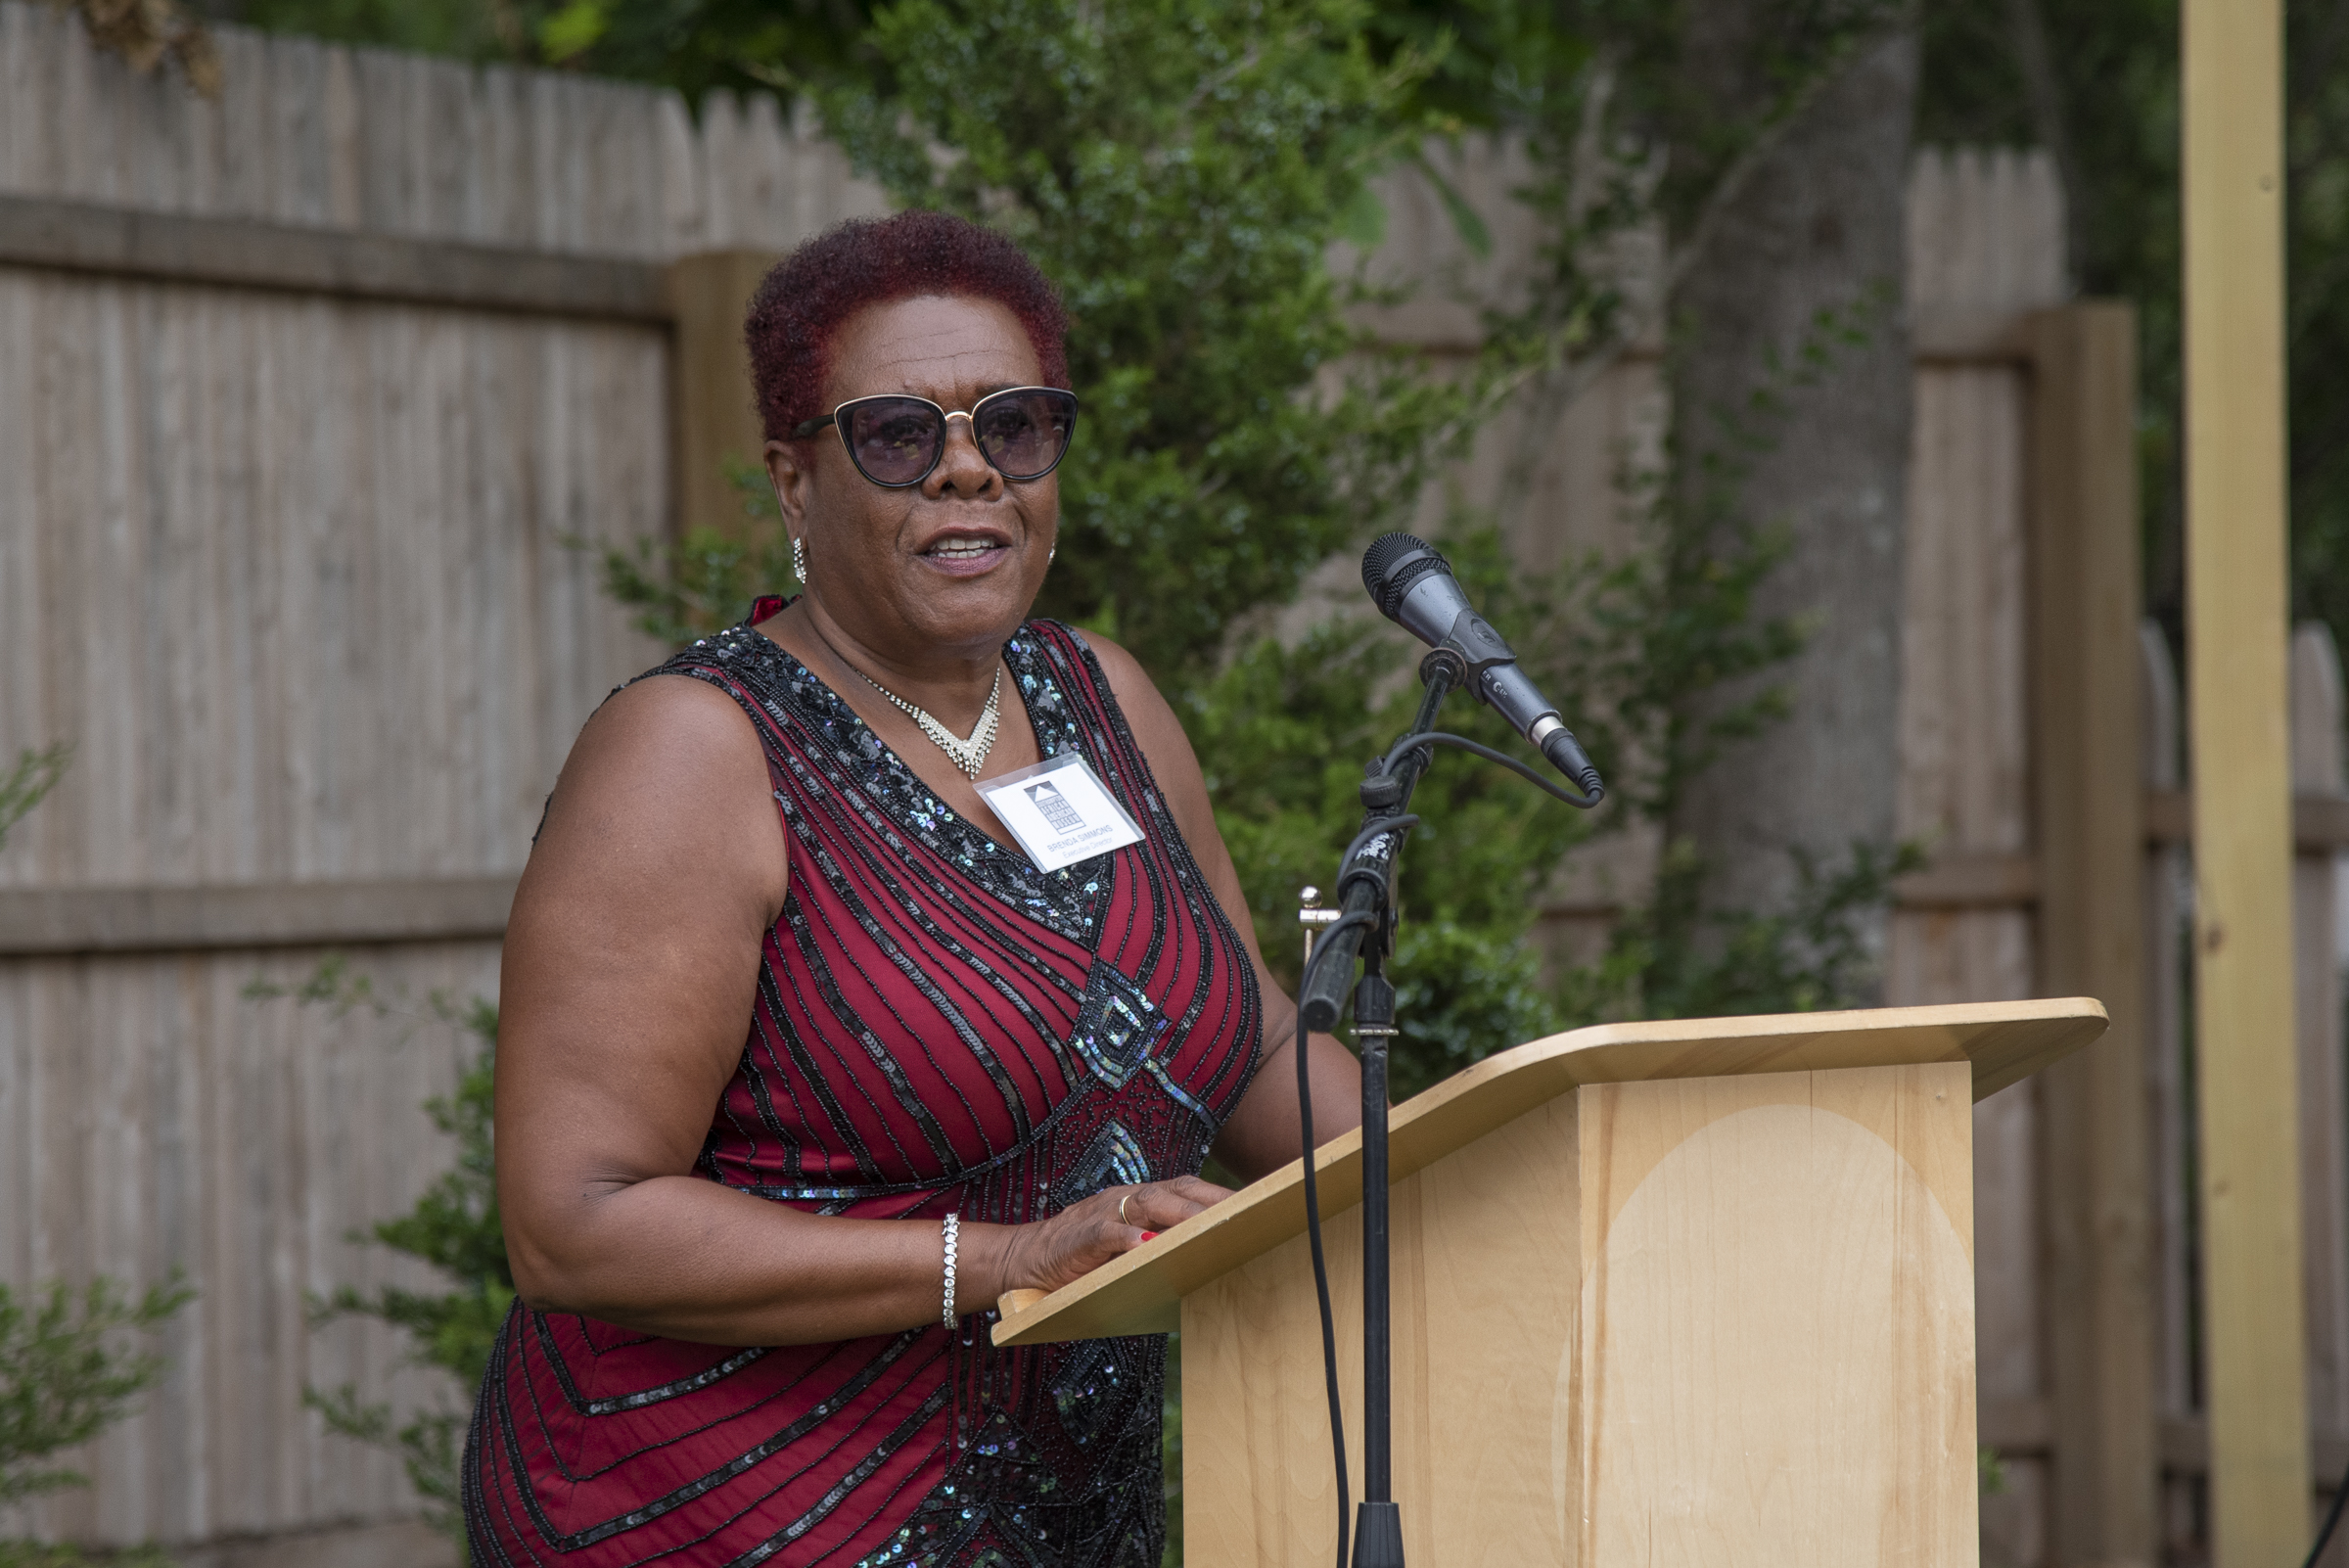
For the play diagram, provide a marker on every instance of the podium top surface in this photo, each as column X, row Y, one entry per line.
column 1142, row 1291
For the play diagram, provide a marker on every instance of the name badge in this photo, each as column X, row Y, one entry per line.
column 1059, row 812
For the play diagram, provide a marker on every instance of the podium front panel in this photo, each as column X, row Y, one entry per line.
column 1720, row 1320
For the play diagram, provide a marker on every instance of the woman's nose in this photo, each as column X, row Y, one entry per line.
column 962, row 467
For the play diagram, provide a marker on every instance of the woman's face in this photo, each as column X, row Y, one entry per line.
column 895, row 568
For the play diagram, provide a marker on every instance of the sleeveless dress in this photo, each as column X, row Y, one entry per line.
column 940, row 1028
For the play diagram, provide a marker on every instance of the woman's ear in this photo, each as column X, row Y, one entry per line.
column 791, row 474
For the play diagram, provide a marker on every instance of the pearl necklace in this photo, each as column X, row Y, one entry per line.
column 968, row 755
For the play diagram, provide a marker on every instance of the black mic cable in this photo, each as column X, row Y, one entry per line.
column 1312, row 1221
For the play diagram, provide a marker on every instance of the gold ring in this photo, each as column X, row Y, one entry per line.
column 1122, row 1202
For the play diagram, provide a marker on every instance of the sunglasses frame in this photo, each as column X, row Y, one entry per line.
column 945, row 417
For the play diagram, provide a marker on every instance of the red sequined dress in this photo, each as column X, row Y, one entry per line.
column 940, row 1028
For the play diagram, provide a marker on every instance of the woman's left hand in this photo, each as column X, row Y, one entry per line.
column 1049, row 1253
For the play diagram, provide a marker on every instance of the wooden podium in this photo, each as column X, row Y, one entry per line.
column 1679, row 1294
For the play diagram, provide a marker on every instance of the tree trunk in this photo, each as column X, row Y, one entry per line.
column 1817, row 224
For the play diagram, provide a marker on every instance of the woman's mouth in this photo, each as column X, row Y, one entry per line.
column 966, row 557
column 961, row 549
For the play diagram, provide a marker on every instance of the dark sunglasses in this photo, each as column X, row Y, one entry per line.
column 895, row 440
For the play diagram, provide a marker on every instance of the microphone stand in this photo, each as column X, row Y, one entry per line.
column 1366, row 886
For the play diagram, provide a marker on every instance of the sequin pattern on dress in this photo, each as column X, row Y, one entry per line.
column 939, row 1028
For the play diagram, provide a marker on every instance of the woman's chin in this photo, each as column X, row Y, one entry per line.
column 962, row 603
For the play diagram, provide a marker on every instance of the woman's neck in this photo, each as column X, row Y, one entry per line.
column 950, row 683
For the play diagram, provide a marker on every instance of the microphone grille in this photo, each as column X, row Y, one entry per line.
column 1393, row 563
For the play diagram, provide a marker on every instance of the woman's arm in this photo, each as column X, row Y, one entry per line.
column 1262, row 1134
column 631, row 965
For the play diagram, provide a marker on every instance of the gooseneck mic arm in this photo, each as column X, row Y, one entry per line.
column 1413, row 585
column 1366, row 873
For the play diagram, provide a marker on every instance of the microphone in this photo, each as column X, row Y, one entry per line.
column 1413, row 585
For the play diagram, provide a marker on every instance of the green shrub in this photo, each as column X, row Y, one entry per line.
column 67, row 1373
column 32, row 775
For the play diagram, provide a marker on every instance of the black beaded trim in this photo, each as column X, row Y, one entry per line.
column 1069, row 900
column 642, row 1397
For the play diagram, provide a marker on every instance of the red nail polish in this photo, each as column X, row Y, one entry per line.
column 1149, row 1235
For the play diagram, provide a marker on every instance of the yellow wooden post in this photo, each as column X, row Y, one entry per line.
column 716, row 422
column 2254, row 1346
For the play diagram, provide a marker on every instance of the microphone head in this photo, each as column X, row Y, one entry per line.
column 1393, row 563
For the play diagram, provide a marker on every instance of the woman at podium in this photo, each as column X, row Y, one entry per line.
column 876, row 956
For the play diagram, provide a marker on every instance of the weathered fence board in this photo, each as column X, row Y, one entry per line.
column 153, row 1117
column 1977, row 247
column 385, row 143
column 235, row 516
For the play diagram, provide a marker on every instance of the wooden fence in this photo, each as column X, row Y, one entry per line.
column 305, row 397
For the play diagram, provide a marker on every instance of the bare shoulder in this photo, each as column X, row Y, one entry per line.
column 669, row 709
column 666, row 780
column 1145, row 707
column 662, row 735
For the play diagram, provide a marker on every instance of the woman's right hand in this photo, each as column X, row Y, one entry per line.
column 1048, row 1253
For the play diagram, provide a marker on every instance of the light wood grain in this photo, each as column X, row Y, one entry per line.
column 1782, row 1308
column 1683, row 1321
column 306, row 559
column 1998, row 1043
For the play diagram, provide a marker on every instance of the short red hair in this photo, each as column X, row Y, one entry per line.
column 869, row 262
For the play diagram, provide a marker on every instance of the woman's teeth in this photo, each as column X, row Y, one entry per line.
column 962, row 550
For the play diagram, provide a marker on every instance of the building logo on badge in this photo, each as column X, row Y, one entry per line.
column 1055, row 808
column 1059, row 812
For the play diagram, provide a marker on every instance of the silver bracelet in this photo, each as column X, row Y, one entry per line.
column 954, row 1230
